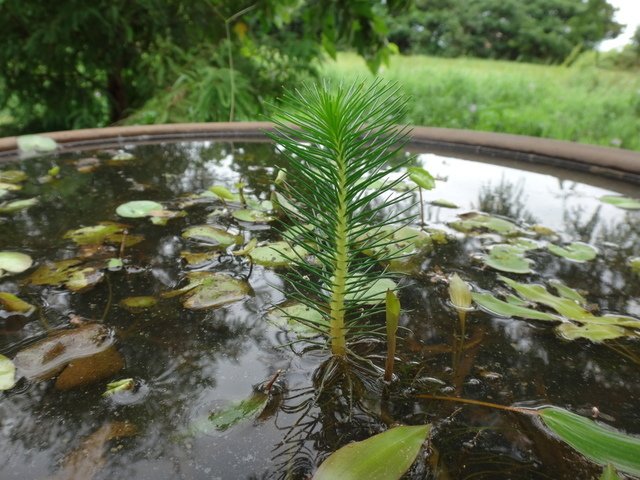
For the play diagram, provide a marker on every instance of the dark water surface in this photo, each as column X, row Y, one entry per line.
column 187, row 364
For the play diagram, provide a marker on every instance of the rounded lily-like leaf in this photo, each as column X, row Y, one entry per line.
column 591, row 331
column 576, row 251
column 138, row 209
column 136, row 304
column 621, row 202
column 14, row 262
column 217, row 290
column 297, row 318
column 252, row 216
column 421, row 177
column 508, row 258
column 30, row 144
column 276, row 254
column 494, row 306
column 481, row 221
column 211, row 235
column 7, row 373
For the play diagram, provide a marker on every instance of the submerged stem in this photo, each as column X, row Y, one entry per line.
column 526, row 411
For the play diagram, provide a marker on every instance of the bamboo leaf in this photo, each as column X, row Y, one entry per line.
column 386, row 456
column 601, row 444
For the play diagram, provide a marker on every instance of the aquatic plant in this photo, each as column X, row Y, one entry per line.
column 341, row 143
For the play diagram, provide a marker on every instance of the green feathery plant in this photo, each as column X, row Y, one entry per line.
column 342, row 144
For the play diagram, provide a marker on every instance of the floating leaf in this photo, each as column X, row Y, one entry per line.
column 386, row 456
column 17, row 205
column 481, row 221
column 252, row 216
column 543, row 231
column 235, row 413
column 601, row 444
column 224, row 194
column 7, row 373
column 568, row 292
column 634, row 263
column 576, row 251
column 104, row 232
column 276, row 254
column 497, row 307
column 136, row 304
column 421, row 177
column 441, row 202
column 14, row 262
column 210, row 290
column 253, row 243
column 508, row 258
column 524, row 244
column 119, row 386
column 12, row 303
column 404, row 243
column 375, row 294
column 45, row 358
column 621, row 202
column 71, row 273
column 139, row 209
column 12, row 176
column 122, row 156
column 211, row 235
column 591, row 331
column 297, row 318
column 30, row 144
column 195, row 259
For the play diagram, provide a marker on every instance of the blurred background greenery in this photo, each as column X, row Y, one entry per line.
column 498, row 65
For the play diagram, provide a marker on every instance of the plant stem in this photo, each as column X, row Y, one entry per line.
column 526, row 411
column 421, row 208
column 339, row 287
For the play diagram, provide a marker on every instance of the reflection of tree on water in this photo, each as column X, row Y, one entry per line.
column 506, row 199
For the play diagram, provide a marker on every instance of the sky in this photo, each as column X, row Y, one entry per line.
column 628, row 14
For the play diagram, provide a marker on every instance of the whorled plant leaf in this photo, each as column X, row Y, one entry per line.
column 12, row 303
column 7, row 373
column 385, row 456
column 599, row 443
column 210, row 290
column 475, row 221
column 13, row 206
column 139, row 209
column 591, row 331
column 507, row 258
column 497, row 307
column 211, row 236
column 14, row 262
column 576, row 251
column 32, row 144
column 621, row 202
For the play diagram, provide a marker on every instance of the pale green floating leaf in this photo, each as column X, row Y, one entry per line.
column 252, row 216
column 524, row 244
column 441, row 202
column 54, row 171
column 634, row 263
column 211, row 235
column 71, row 273
column 599, row 443
column 497, row 307
column 136, row 304
column 195, row 259
column 210, row 290
column 576, row 251
column 481, row 221
column 609, row 473
column 115, row 264
column 591, row 331
column 14, row 262
column 276, row 254
column 235, row 413
column 421, row 177
column 621, row 202
column 12, row 303
column 123, row 156
column 7, row 373
column 119, row 386
column 30, row 144
column 375, row 294
column 223, row 193
column 104, row 232
column 139, row 209
column 12, row 177
column 13, row 206
column 568, row 292
column 386, row 456
column 248, row 248
column 507, row 258
column 297, row 318
column 543, row 231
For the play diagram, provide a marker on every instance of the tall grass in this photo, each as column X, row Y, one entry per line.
column 582, row 104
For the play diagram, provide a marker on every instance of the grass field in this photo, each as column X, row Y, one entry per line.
column 582, row 104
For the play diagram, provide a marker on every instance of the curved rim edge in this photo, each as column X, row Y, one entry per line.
column 532, row 149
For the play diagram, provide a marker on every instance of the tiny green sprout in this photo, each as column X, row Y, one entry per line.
column 119, row 386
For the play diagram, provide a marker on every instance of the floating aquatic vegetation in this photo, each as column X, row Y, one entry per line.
column 576, row 251
column 625, row 203
column 252, row 216
column 14, row 262
column 277, row 254
column 475, row 221
column 12, row 303
column 508, row 258
column 104, row 232
column 444, row 203
column 12, row 177
column 197, row 259
column 421, row 177
column 13, row 206
column 7, row 373
column 34, row 144
column 495, row 306
column 121, row 156
column 74, row 274
column 210, row 290
column 119, row 386
column 138, row 304
column 634, row 263
column 224, row 194
column 211, row 236
column 296, row 318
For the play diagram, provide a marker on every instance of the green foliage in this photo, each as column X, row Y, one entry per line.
column 339, row 142
column 537, row 30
